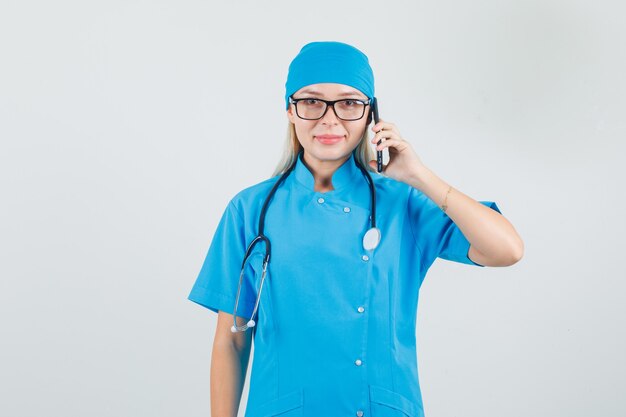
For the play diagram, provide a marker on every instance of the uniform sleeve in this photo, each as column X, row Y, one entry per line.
column 435, row 234
column 216, row 285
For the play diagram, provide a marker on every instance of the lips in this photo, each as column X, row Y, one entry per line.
column 329, row 139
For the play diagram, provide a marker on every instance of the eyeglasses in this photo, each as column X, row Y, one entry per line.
column 315, row 108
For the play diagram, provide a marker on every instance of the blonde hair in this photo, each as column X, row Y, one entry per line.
column 363, row 152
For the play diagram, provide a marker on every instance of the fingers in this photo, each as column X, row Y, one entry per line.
column 389, row 137
column 374, row 165
column 383, row 135
column 385, row 126
column 385, row 131
column 398, row 144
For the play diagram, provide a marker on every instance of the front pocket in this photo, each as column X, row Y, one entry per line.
column 386, row 403
column 288, row 405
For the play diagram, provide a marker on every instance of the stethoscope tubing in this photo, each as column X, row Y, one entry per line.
column 268, row 251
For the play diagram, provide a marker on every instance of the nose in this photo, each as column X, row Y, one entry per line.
column 330, row 119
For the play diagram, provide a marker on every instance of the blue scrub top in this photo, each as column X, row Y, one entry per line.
column 336, row 324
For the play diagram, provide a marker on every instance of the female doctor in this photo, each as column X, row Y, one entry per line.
column 335, row 254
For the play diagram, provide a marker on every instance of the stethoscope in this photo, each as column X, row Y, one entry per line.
column 370, row 240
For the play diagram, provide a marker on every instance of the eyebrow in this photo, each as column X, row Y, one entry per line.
column 344, row 94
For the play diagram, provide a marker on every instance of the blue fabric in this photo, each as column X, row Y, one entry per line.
column 329, row 62
column 310, row 331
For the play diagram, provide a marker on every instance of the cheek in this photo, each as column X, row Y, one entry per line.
column 357, row 131
column 304, row 134
column 303, row 128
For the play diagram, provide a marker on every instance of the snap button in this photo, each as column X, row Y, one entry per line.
column 360, row 309
column 359, row 413
column 358, row 362
column 320, row 200
column 346, row 209
column 365, row 258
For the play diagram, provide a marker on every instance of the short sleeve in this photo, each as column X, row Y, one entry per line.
column 216, row 285
column 436, row 235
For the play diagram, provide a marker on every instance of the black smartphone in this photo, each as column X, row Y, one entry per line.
column 379, row 154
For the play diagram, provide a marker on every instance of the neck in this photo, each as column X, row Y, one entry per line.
column 323, row 171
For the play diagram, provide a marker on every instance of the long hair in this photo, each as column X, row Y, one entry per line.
column 363, row 152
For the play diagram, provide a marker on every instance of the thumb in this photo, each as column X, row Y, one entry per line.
column 373, row 163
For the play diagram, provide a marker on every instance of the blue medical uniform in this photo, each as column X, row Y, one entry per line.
column 336, row 324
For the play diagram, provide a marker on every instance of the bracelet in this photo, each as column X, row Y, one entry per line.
column 444, row 206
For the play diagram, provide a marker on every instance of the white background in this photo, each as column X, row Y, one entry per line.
column 123, row 137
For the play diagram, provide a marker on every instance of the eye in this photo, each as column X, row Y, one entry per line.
column 352, row 103
column 310, row 101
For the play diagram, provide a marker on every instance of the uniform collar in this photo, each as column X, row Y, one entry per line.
column 344, row 175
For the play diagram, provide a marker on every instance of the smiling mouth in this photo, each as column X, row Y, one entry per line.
column 329, row 139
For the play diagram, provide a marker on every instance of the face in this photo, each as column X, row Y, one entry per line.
column 328, row 139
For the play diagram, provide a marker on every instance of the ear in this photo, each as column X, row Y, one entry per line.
column 290, row 114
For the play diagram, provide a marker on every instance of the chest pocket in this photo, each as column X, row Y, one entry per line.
column 386, row 403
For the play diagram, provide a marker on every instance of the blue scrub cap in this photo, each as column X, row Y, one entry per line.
column 330, row 62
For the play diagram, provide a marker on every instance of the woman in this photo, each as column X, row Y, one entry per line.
column 334, row 327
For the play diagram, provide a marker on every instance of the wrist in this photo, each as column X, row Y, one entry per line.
column 434, row 187
column 420, row 176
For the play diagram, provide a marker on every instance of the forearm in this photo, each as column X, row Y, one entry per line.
column 489, row 233
column 228, row 373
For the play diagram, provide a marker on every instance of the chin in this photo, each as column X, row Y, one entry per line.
column 330, row 154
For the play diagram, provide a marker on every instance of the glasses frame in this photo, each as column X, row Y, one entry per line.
column 329, row 103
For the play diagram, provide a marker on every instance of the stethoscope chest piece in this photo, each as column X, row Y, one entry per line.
column 371, row 238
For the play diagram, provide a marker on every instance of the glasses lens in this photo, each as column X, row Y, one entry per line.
column 310, row 108
column 349, row 109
